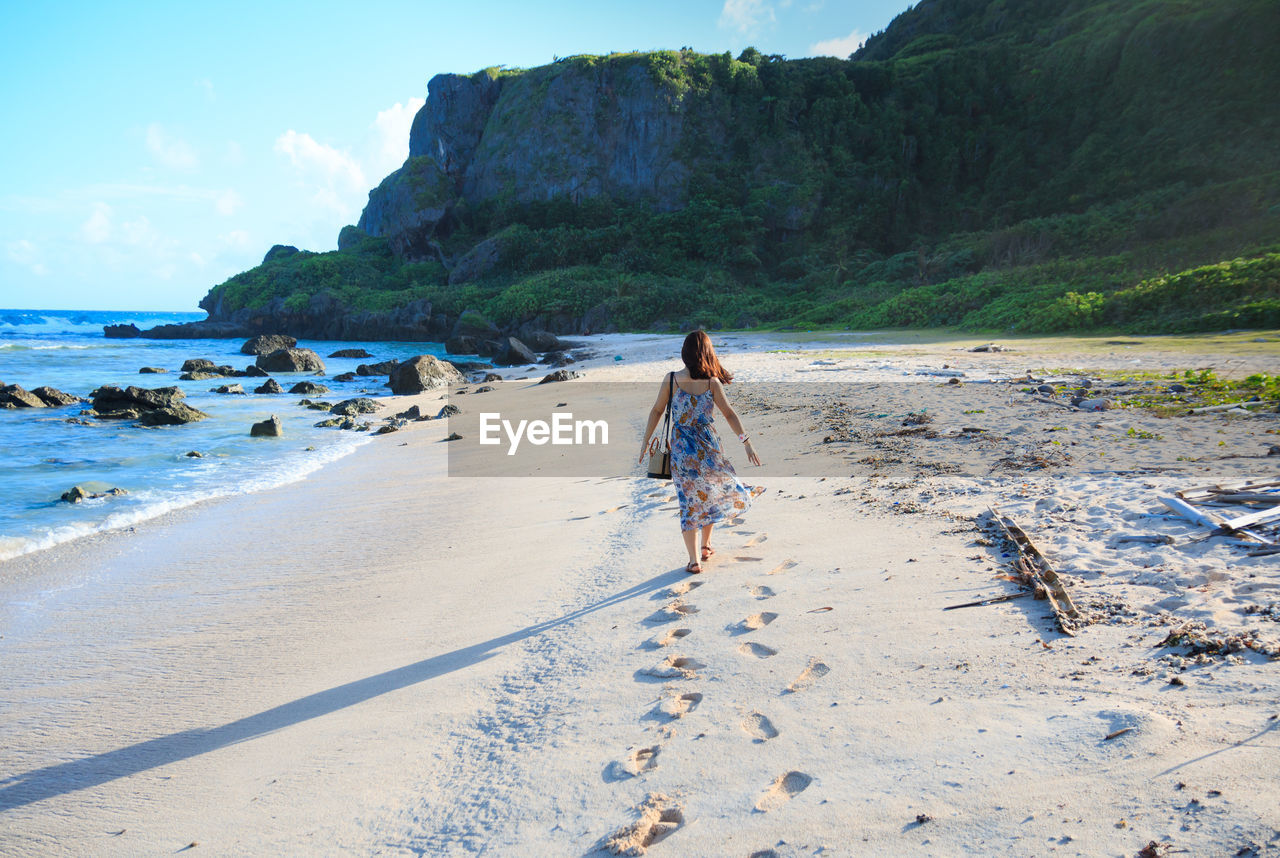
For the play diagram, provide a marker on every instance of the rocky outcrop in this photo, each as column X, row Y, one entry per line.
column 161, row 406
column 265, row 344
column 351, row 353
column 512, row 352
column 121, row 332
column 228, row 389
column 352, row 407
column 290, row 360
column 279, row 251
column 309, row 388
column 15, row 396
column 269, row 428
column 559, row 375
column 269, row 386
column 385, row 367
column 152, row 370
column 76, row 494
column 423, row 372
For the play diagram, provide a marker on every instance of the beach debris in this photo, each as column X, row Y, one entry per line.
column 76, row 494
column 991, row 601
column 1034, row 565
column 1116, row 733
column 1144, row 538
column 990, row 347
column 1084, row 404
column 1200, row 640
column 659, row 817
column 941, row 373
column 917, row 418
column 269, row 386
column 1249, row 494
column 269, row 428
column 1154, row 850
column 922, row 818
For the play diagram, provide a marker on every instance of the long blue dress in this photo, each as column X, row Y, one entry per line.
column 706, row 484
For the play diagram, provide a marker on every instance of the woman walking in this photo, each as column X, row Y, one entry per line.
column 708, row 488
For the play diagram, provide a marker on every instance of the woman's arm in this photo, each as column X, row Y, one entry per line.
column 731, row 417
column 655, row 414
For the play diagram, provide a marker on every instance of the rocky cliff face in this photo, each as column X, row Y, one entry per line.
column 572, row 129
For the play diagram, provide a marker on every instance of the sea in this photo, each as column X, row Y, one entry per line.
column 42, row 454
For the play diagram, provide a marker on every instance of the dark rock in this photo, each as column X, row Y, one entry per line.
column 541, row 341
column 488, row 348
column 448, row 411
column 462, row 345
column 15, row 396
column 290, row 360
column 206, row 330
column 152, row 370
column 423, row 372
column 254, row 371
column 121, row 332
column 161, row 406
column 513, row 352
column 269, row 428
column 561, row 359
column 989, row 347
column 345, row 377
column 195, row 454
column 1177, row 388
column 491, row 376
column 172, row 415
column 309, row 388
column 265, row 344
column 472, row 324
column 413, row 413
column 352, row 407
column 483, row 389
column 279, row 251
column 199, row 375
column 454, row 436
column 559, row 375
column 78, row 493
column 394, row 426
column 351, row 353
column 228, row 388
column 269, row 386
column 385, row 367
column 1045, row 388
column 199, row 365
column 469, row 365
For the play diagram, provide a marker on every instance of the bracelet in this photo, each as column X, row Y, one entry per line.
column 744, row 437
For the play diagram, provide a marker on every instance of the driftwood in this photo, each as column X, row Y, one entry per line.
column 1219, row 526
column 993, row 600
column 1228, row 406
column 1034, row 563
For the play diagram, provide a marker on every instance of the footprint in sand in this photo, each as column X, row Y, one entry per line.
column 684, row 588
column 614, row 508
column 753, row 623
column 660, row 817
column 763, row 592
column 742, row 558
column 783, row 567
column 783, row 789
column 642, row 760
column 759, row 727
column 758, row 650
column 675, row 667
column 669, row 638
column 811, row 674
column 677, row 610
column 680, row 705
column 757, row 539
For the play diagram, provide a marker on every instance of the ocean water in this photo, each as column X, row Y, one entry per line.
column 42, row 455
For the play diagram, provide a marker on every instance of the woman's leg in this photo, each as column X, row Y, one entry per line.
column 691, row 543
column 707, row 550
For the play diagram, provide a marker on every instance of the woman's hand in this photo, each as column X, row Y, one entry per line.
column 751, row 453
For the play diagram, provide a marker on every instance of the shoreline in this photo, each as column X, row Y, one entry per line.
column 381, row 658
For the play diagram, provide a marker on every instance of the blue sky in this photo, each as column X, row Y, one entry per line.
column 150, row 150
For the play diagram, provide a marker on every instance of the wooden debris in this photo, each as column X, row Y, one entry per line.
column 991, row 601
column 1034, row 563
column 1114, row 733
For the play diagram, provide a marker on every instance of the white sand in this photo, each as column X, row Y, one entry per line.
column 384, row 660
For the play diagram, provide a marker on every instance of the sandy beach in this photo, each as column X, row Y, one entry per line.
column 384, row 659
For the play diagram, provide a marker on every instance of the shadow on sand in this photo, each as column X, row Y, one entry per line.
column 36, row 785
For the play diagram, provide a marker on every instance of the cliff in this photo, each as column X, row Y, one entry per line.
column 988, row 163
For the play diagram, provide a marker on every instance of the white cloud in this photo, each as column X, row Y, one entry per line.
column 227, row 202
column 97, row 227
column 169, row 150
column 27, row 255
column 746, row 16
column 337, row 178
column 840, row 46
column 391, row 141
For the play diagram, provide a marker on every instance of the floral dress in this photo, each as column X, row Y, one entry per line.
column 706, row 484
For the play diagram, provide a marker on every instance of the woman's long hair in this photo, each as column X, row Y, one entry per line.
column 700, row 358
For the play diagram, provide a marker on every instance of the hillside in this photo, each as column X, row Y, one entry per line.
column 992, row 164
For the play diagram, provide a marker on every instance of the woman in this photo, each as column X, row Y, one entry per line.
column 706, row 484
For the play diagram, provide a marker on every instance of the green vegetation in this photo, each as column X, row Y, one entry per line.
column 1027, row 166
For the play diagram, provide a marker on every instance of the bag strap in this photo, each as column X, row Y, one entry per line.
column 666, row 421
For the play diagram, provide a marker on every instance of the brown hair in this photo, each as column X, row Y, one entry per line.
column 700, row 358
